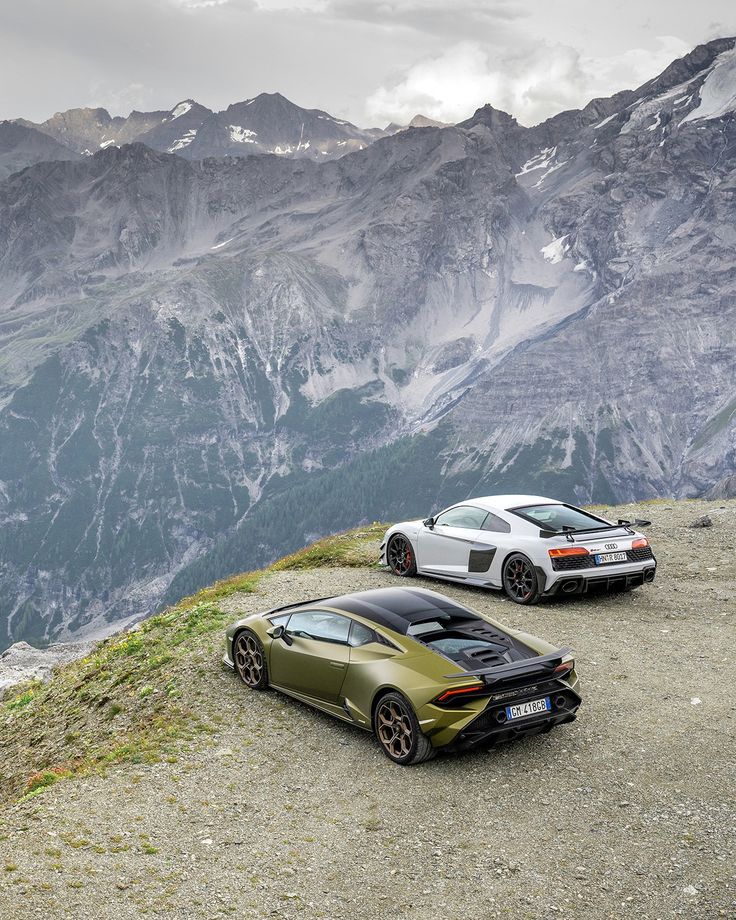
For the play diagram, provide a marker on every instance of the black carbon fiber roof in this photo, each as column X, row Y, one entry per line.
column 397, row 608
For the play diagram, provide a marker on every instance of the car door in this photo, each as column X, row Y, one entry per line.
column 494, row 543
column 444, row 546
column 313, row 654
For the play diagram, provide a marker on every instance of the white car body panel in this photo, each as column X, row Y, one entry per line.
column 477, row 556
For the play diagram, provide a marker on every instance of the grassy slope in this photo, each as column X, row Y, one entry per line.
column 134, row 698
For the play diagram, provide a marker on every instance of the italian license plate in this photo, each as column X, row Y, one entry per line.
column 602, row 558
column 532, row 708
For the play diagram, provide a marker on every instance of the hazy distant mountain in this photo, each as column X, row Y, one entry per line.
column 269, row 123
column 205, row 362
column 21, row 146
column 88, row 130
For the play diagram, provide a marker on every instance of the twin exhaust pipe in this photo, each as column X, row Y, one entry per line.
column 573, row 585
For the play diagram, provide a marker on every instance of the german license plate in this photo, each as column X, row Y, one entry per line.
column 602, row 558
column 532, row 708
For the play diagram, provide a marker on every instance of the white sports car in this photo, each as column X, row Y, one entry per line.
column 527, row 545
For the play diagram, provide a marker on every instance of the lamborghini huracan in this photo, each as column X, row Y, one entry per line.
column 419, row 670
column 527, row 545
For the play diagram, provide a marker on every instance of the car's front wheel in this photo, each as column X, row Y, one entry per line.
column 398, row 731
column 520, row 581
column 400, row 556
column 250, row 660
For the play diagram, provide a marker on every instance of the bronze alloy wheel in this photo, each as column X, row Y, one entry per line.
column 250, row 661
column 398, row 731
column 520, row 580
column 400, row 556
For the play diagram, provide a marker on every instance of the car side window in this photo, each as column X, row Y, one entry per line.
column 496, row 524
column 464, row 516
column 360, row 635
column 281, row 620
column 320, row 625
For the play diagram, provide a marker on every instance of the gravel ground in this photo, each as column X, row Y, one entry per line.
column 283, row 812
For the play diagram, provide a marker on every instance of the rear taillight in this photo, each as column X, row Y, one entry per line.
column 640, row 543
column 569, row 551
column 449, row 696
column 563, row 668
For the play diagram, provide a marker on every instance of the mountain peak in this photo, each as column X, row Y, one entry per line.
column 490, row 117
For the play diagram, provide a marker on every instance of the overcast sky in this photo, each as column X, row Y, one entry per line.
column 372, row 61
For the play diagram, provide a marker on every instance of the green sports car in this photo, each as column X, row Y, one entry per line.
column 421, row 671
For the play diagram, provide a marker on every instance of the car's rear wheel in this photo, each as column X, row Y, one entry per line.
column 400, row 556
column 250, row 660
column 520, row 580
column 398, row 731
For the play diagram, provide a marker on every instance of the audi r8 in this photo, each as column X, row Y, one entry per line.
column 527, row 545
column 419, row 670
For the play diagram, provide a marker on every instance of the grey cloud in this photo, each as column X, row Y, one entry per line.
column 343, row 55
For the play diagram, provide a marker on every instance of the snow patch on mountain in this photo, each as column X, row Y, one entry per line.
column 223, row 243
column 540, row 161
column 605, row 121
column 555, row 251
column 184, row 141
column 180, row 110
column 242, row 135
column 718, row 92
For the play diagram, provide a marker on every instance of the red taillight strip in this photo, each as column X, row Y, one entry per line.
column 640, row 543
column 569, row 551
column 458, row 691
column 564, row 667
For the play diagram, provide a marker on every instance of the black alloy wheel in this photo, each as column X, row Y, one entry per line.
column 520, row 580
column 400, row 557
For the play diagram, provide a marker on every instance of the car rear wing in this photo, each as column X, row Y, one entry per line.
column 540, row 663
column 571, row 532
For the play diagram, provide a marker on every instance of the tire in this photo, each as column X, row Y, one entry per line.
column 520, row 580
column 400, row 556
column 397, row 730
column 250, row 660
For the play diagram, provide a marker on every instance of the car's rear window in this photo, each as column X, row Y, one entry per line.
column 557, row 517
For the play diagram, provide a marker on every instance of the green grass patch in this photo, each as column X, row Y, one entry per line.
column 135, row 697
column 23, row 699
column 356, row 549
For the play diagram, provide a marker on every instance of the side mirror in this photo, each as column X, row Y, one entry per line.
column 277, row 632
column 429, row 522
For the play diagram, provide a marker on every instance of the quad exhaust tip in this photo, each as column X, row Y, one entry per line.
column 649, row 575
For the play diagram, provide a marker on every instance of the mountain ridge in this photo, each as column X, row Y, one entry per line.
column 266, row 123
column 481, row 306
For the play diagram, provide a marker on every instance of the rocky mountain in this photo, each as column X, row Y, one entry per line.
column 268, row 123
column 205, row 363
column 87, row 130
column 21, row 147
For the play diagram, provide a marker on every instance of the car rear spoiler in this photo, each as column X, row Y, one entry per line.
column 516, row 668
column 571, row 532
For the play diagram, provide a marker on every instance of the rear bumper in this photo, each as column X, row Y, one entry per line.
column 609, row 578
column 492, row 727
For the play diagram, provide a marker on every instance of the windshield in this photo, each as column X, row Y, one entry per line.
column 557, row 517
